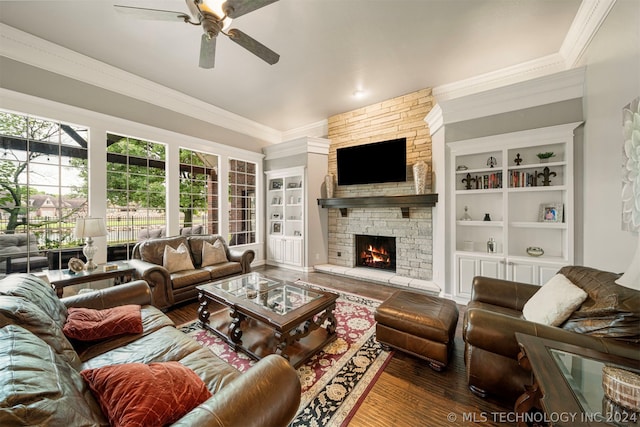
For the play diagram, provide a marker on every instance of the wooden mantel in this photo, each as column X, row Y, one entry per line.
column 403, row 202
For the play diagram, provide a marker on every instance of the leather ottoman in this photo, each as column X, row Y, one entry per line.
column 418, row 324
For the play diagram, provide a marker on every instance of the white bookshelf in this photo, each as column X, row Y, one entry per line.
column 486, row 178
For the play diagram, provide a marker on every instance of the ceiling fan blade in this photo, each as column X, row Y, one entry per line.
column 207, row 52
column 253, row 46
column 154, row 14
column 237, row 8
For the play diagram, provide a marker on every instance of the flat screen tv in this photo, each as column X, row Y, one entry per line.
column 378, row 162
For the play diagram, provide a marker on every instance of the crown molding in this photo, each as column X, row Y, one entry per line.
column 31, row 50
column 585, row 25
column 590, row 16
column 435, row 119
column 318, row 129
column 552, row 88
column 517, row 73
column 297, row 146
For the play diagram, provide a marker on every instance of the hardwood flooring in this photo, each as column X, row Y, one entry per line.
column 408, row 392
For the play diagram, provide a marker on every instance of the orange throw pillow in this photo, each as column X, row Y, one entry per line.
column 136, row 394
column 86, row 324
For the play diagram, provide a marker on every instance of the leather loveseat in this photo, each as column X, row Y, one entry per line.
column 170, row 288
column 607, row 321
column 40, row 376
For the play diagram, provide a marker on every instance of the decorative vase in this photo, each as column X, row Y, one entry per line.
column 420, row 176
column 329, row 182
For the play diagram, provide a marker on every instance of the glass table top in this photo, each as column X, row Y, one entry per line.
column 585, row 376
column 278, row 297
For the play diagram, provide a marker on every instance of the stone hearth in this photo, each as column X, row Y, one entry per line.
column 380, row 276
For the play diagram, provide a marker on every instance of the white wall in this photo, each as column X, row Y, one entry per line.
column 612, row 81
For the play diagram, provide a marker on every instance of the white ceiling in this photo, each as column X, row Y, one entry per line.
column 328, row 48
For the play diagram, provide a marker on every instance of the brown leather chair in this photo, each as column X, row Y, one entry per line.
column 607, row 321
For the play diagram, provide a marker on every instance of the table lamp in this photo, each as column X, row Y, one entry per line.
column 89, row 228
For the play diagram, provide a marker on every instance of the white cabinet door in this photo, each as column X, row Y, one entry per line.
column 466, row 273
column 546, row 273
column 522, row 272
column 490, row 267
column 275, row 250
column 293, row 251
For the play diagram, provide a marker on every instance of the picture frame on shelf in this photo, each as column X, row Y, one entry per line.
column 292, row 185
column 276, row 228
column 551, row 212
column 276, row 185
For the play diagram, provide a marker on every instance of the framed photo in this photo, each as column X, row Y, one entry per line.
column 551, row 212
column 276, row 185
column 276, row 228
column 292, row 185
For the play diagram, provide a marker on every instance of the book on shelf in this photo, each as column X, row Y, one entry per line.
column 518, row 179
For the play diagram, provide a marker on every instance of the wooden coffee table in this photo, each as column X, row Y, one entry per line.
column 262, row 316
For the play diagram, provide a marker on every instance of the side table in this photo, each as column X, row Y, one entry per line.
column 59, row 279
column 568, row 384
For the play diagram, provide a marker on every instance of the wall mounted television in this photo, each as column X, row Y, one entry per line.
column 373, row 163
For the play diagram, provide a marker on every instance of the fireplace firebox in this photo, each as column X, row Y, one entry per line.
column 376, row 252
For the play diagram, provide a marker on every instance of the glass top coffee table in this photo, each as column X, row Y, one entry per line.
column 568, row 384
column 262, row 316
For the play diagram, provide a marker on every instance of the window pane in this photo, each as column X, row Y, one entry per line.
column 136, row 189
column 43, row 172
column 198, row 191
column 242, row 209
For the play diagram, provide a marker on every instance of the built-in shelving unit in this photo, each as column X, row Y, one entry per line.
column 285, row 216
column 528, row 203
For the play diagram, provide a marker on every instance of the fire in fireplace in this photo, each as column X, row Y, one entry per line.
column 376, row 252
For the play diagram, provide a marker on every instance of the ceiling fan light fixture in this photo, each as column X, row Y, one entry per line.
column 215, row 6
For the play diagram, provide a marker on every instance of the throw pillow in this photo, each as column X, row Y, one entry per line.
column 554, row 302
column 136, row 394
column 177, row 259
column 87, row 324
column 213, row 254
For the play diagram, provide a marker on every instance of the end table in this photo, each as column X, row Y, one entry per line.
column 59, row 279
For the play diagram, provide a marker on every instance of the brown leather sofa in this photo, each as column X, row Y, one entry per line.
column 40, row 381
column 607, row 321
column 172, row 288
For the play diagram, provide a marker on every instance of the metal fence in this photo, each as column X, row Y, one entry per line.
column 121, row 229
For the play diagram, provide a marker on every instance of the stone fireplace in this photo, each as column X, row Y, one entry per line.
column 376, row 252
column 411, row 228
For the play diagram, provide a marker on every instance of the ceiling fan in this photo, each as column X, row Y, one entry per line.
column 215, row 17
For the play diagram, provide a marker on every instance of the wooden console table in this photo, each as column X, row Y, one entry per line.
column 59, row 279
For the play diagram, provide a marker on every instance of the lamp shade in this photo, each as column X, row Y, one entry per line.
column 90, row 227
column 631, row 277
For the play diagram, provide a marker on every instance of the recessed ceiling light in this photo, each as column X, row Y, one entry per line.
column 359, row 93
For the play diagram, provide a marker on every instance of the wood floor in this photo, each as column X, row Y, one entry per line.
column 408, row 393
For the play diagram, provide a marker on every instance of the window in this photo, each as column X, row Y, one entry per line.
column 199, row 192
column 242, row 202
column 43, row 188
column 136, row 192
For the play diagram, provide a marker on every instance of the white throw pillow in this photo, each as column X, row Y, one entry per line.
column 213, row 254
column 177, row 259
column 554, row 302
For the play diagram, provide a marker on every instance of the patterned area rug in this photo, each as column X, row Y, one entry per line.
column 336, row 379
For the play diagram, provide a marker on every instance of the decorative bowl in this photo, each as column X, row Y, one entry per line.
column 535, row 251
